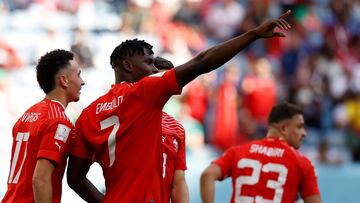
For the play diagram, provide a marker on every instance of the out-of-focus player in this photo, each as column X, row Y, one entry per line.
column 43, row 134
column 122, row 128
column 270, row 169
column 173, row 150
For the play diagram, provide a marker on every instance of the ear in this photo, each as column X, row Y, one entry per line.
column 283, row 128
column 127, row 65
column 63, row 81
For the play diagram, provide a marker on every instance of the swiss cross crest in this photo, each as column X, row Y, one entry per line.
column 176, row 145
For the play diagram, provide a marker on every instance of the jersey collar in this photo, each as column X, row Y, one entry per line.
column 55, row 101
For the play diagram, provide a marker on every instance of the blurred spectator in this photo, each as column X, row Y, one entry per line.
column 82, row 50
column 193, row 128
column 326, row 156
column 259, row 92
column 290, row 58
column 9, row 57
column 225, row 128
column 189, row 13
column 316, row 66
column 223, row 19
column 52, row 40
column 133, row 17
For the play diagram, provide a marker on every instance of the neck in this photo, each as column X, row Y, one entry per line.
column 274, row 133
column 53, row 95
column 122, row 76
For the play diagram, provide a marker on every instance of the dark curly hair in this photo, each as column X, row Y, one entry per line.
column 283, row 111
column 49, row 65
column 129, row 48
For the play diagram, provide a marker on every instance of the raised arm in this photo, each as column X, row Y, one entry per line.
column 216, row 56
column 77, row 180
column 207, row 182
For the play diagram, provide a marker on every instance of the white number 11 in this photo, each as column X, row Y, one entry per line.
column 20, row 138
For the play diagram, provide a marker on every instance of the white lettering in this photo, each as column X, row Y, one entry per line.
column 267, row 151
column 106, row 106
column 30, row 117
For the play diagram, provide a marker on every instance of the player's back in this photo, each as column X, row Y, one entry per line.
column 35, row 136
column 117, row 128
column 173, row 146
column 268, row 169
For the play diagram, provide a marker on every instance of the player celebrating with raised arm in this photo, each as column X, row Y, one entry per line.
column 43, row 134
column 122, row 128
column 270, row 169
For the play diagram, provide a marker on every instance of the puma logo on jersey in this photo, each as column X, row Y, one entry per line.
column 58, row 145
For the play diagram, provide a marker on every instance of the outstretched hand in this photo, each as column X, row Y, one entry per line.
column 267, row 29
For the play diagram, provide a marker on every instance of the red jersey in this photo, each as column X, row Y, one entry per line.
column 43, row 131
column 268, row 170
column 173, row 148
column 122, row 129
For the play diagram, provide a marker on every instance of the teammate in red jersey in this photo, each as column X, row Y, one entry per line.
column 43, row 134
column 122, row 128
column 173, row 147
column 174, row 160
column 270, row 169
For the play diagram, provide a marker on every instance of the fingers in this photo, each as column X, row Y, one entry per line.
column 282, row 24
column 286, row 14
column 278, row 34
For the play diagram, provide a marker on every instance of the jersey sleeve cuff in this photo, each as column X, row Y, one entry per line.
column 174, row 85
column 53, row 156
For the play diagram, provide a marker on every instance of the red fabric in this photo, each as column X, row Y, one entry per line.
column 257, row 166
column 226, row 119
column 132, row 112
column 173, row 146
column 196, row 98
column 260, row 97
column 45, row 139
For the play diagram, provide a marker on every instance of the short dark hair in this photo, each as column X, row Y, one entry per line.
column 49, row 65
column 283, row 111
column 129, row 48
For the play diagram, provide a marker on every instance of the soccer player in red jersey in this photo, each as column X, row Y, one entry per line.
column 174, row 160
column 270, row 169
column 43, row 134
column 173, row 150
column 122, row 129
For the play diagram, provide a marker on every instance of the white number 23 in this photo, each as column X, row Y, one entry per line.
column 254, row 179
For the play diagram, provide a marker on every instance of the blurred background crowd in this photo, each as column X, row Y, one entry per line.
column 316, row 66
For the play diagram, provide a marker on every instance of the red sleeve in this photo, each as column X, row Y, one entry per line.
column 57, row 140
column 309, row 185
column 225, row 162
column 180, row 163
column 158, row 88
column 80, row 148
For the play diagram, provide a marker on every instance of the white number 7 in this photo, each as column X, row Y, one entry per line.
column 111, row 121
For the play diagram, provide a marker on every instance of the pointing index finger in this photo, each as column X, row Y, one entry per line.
column 286, row 14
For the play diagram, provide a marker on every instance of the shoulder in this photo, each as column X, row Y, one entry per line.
column 170, row 122
column 304, row 160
